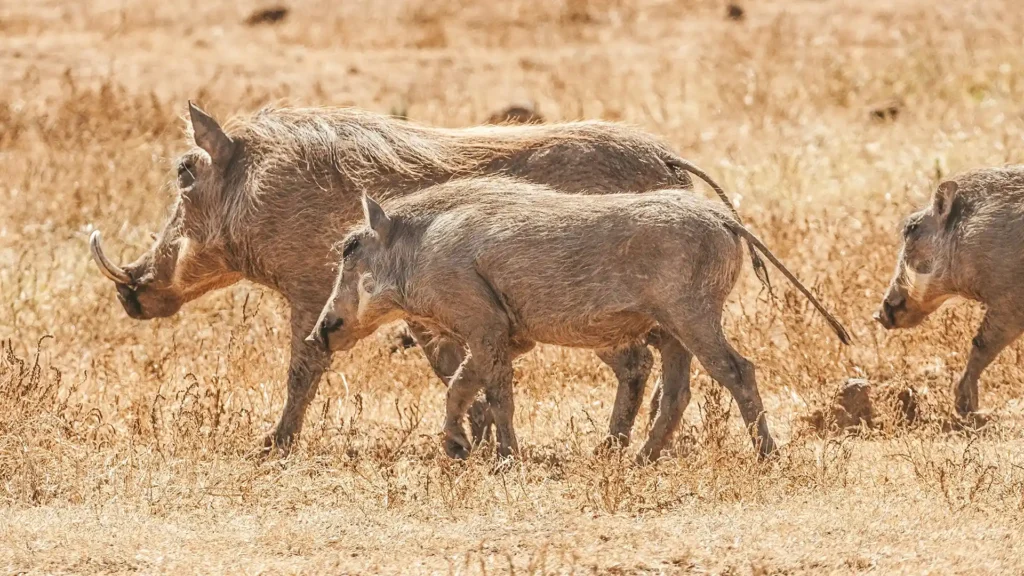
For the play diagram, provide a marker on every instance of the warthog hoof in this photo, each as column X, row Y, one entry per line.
column 503, row 464
column 276, row 443
column 766, row 447
column 973, row 421
column 612, row 444
column 457, row 448
column 649, row 454
column 966, row 408
column 481, row 423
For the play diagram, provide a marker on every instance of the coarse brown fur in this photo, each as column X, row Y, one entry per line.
column 968, row 242
column 500, row 264
column 266, row 199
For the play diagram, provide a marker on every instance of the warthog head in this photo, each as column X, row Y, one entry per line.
column 189, row 257
column 923, row 278
column 361, row 301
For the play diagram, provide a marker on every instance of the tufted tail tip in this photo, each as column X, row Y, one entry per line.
column 840, row 331
column 761, row 271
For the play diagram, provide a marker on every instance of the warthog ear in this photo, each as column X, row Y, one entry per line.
column 210, row 137
column 376, row 218
column 943, row 201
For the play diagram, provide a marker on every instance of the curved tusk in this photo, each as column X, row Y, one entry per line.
column 109, row 269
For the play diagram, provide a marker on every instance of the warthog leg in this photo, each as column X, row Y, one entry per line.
column 655, row 405
column 673, row 398
column 702, row 335
column 655, row 338
column 500, row 398
column 631, row 366
column 445, row 356
column 307, row 365
column 481, row 421
column 998, row 330
column 488, row 366
column 463, row 389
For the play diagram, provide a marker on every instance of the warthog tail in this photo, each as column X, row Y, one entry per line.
column 760, row 269
column 753, row 241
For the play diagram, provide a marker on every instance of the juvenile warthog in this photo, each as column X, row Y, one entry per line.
column 501, row 264
column 267, row 199
column 968, row 242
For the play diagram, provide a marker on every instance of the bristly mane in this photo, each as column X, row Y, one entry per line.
column 361, row 145
column 288, row 148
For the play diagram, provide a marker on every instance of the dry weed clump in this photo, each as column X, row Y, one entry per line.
column 966, row 478
column 129, row 446
column 34, row 418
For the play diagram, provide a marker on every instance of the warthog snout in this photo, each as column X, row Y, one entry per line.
column 892, row 305
column 129, row 299
column 143, row 288
column 127, row 290
column 321, row 334
column 330, row 325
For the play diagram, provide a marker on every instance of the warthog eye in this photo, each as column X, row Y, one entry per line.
column 350, row 247
column 186, row 175
column 909, row 229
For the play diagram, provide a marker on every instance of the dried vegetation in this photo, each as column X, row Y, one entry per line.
column 129, row 447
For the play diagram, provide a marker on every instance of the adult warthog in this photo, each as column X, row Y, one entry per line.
column 266, row 200
column 968, row 242
column 501, row 264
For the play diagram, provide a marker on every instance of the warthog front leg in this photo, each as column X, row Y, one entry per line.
column 998, row 330
column 488, row 366
column 445, row 356
column 306, row 367
column 461, row 391
column 671, row 400
column 499, row 394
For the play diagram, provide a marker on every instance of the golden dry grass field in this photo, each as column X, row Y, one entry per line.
column 129, row 446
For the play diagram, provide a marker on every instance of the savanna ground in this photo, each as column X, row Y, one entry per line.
column 128, row 446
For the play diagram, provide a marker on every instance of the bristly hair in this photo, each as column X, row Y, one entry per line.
column 361, row 145
column 288, row 147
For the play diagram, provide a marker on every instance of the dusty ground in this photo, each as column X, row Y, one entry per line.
column 127, row 446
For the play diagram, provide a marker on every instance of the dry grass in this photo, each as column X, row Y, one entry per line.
column 126, row 446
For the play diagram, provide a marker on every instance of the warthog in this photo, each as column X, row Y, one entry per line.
column 968, row 242
column 500, row 264
column 267, row 199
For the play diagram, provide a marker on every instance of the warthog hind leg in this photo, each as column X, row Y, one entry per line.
column 499, row 396
column 668, row 403
column 702, row 335
column 461, row 391
column 632, row 367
